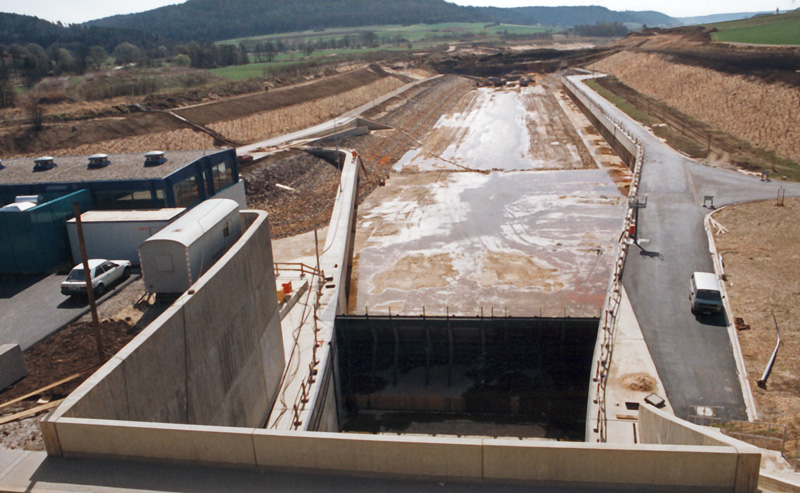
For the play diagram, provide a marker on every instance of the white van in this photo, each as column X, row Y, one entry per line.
column 705, row 295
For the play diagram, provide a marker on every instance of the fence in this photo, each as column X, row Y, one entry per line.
column 769, row 436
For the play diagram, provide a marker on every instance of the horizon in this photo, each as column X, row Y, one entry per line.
column 86, row 10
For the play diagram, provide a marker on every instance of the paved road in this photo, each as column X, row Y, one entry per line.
column 693, row 355
column 33, row 307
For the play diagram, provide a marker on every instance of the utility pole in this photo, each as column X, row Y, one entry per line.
column 87, row 275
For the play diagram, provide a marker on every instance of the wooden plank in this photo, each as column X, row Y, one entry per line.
column 48, row 387
column 627, row 416
column 30, row 412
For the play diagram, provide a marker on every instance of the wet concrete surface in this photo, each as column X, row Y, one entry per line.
column 521, row 243
column 508, row 129
column 532, row 231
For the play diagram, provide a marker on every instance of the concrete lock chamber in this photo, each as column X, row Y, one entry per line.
column 493, row 376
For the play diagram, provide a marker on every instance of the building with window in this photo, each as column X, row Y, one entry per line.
column 35, row 239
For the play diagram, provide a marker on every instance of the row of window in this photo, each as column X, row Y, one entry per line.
column 186, row 192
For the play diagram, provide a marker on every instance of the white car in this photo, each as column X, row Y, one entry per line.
column 104, row 274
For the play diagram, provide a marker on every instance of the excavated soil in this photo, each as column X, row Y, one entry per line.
column 748, row 108
column 315, row 180
column 144, row 131
column 761, row 256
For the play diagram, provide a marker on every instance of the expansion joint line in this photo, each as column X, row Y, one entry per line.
column 465, row 168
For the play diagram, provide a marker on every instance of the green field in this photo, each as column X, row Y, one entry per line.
column 414, row 37
column 781, row 29
column 412, row 33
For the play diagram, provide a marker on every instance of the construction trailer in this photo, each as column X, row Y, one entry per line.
column 175, row 257
column 118, row 234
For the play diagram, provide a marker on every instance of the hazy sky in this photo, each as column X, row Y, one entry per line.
column 73, row 11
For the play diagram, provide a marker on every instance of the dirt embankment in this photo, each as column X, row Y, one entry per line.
column 751, row 110
column 287, row 119
column 145, row 131
column 315, row 181
column 761, row 255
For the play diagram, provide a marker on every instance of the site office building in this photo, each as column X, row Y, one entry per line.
column 36, row 240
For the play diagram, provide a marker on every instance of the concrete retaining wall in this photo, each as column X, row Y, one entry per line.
column 322, row 410
column 215, row 357
column 559, row 463
column 658, row 427
column 622, row 144
column 234, row 192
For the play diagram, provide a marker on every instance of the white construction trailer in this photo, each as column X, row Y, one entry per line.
column 175, row 257
column 117, row 234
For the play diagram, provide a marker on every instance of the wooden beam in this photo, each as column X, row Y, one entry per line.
column 43, row 389
column 30, row 412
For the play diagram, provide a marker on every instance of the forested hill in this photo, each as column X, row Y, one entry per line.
column 24, row 29
column 221, row 19
column 574, row 16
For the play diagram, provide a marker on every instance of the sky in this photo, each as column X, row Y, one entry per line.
column 75, row 11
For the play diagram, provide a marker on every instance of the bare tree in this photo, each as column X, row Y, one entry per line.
column 34, row 107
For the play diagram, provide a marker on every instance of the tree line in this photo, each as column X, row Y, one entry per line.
column 601, row 30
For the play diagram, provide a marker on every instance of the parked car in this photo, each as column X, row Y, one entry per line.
column 244, row 159
column 104, row 274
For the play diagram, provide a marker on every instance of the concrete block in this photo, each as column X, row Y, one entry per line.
column 12, row 365
column 421, row 457
column 183, row 443
column 596, row 464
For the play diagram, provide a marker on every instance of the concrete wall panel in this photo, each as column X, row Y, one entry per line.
column 155, row 372
column 659, row 427
column 101, row 396
column 587, row 464
column 271, row 351
column 406, row 456
column 208, row 444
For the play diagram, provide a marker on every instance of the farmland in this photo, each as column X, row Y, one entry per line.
column 416, row 32
column 328, row 46
column 781, row 29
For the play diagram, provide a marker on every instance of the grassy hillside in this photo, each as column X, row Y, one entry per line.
column 783, row 29
column 412, row 33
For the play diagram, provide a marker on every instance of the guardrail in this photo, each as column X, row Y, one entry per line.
column 303, row 269
column 608, row 319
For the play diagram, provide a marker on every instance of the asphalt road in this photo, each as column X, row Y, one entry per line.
column 33, row 307
column 693, row 354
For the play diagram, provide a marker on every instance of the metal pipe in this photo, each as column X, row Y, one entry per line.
column 762, row 382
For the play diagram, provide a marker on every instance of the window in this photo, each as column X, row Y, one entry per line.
column 223, row 175
column 123, row 199
column 187, row 192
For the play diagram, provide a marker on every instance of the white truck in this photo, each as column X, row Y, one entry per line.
column 705, row 295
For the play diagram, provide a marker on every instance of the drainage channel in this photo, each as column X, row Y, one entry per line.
column 467, row 376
